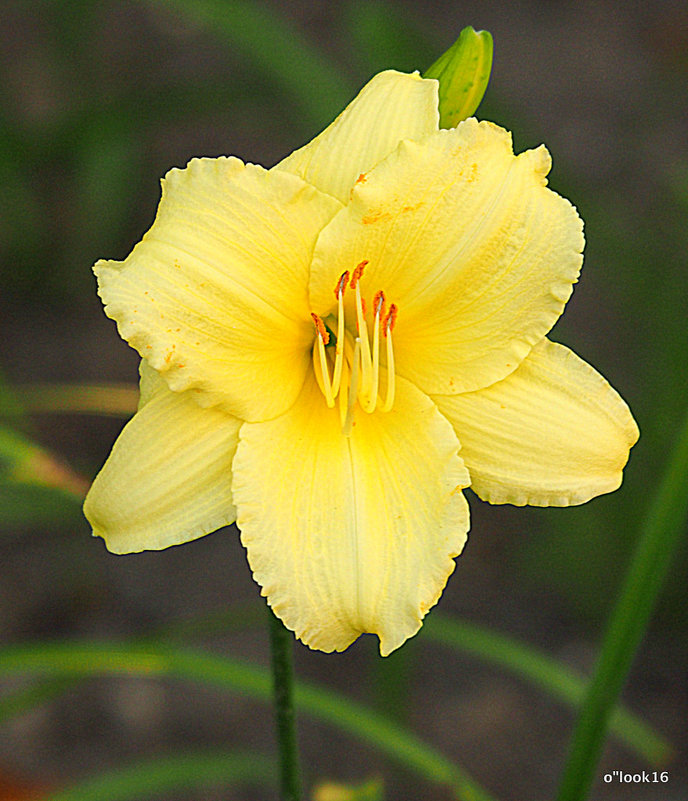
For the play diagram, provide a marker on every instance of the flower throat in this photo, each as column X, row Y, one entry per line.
column 356, row 361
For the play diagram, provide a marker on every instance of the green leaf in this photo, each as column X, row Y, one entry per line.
column 24, row 462
column 108, row 400
column 383, row 39
column 546, row 674
column 269, row 43
column 372, row 790
column 36, row 487
column 516, row 657
column 660, row 534
column 463, row 72
column 92, row 659
column 153, row 778
column 26, row 506
column 508, row 653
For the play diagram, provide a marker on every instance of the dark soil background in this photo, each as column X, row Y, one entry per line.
column 99, row 100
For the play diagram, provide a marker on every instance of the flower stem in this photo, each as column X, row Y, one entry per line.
column 659, row 536
column 282, row 685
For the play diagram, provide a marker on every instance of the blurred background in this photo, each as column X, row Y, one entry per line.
column 99, row 100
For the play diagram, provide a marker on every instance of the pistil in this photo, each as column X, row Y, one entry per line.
column 366, row 360
column 353, row 389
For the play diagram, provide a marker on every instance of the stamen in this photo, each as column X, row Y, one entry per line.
column 322, row 339
column 388, row 325
column 366, row 361
column 353, row 389
column 339, row 349
column 378, row 308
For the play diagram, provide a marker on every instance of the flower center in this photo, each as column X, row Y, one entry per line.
column 355, row 364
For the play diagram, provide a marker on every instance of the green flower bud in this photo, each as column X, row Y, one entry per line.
column 463, row 72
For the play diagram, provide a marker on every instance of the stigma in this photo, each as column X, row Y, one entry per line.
column 352, row 373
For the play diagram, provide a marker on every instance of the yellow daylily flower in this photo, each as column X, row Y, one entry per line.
column 333, row 349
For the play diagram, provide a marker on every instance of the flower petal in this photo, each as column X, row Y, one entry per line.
column 554, row 433
column 351, row 535
column 168, row 477
column 465, row 238
column 215, row 295
column 392, row 106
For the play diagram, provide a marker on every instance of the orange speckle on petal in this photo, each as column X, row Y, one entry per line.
column 375, row 216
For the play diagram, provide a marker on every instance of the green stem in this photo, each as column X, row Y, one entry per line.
column 283, row 691
column 659, row 537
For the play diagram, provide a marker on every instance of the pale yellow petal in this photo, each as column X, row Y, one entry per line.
column 351, row 535
column 392, row 106
column 168, row 479
column 215, row 295
column 467, row 240
column 554, row 433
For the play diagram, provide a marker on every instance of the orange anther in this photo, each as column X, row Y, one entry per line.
column 379, row 303
column 390, row 319
column 320, row 328
column 341, row 284
column 363, row 306
column 357, row 273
